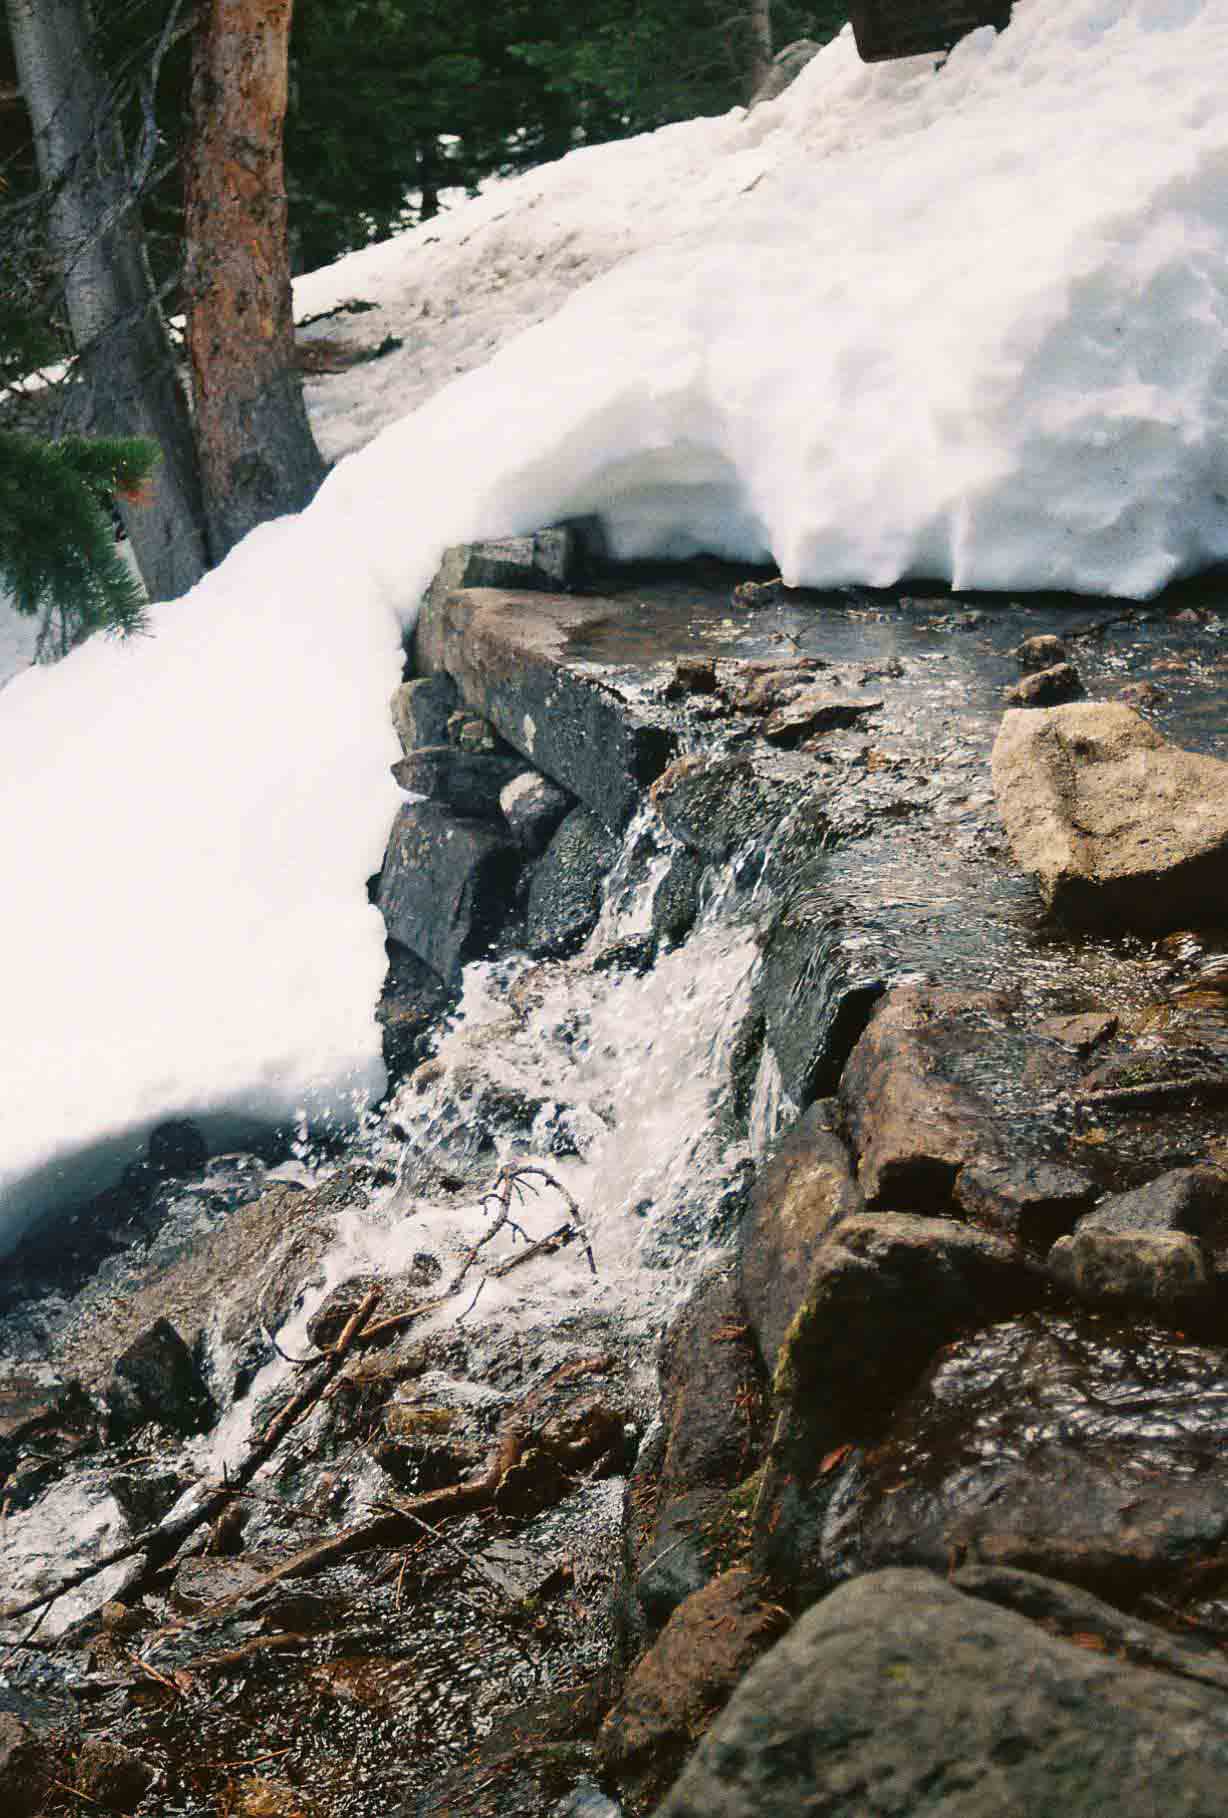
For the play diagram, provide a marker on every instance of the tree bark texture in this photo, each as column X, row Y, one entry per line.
column 759, row 20
column 125, row 356
column 257, row 454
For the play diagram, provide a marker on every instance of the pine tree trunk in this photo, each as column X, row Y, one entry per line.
column 760, row 63
column 257, row 454
column 125, row 356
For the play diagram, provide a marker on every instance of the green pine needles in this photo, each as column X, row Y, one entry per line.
column 58, row 554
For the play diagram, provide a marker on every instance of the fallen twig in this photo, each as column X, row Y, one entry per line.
column 162, row 1542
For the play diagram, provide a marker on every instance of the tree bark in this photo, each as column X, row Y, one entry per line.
column 759, row 19
column 124, row 352
column 257, row 454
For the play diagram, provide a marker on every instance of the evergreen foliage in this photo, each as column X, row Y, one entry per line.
column 58, row 554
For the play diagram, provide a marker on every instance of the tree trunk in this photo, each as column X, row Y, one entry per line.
column 125, row 356
column 257, row 454
column 759, row 66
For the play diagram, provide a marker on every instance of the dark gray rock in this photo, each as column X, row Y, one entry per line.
column 513, row 658
column 412, row 1001
column 468, row 782
column 565, row 891
column 548, row 561
column 675, row 901
column 534, row 808
column 446, row 885
column 421, row 710
column 817, row 987
column 803, row 1193
column 158, row 1379
column 716, row 804
column 899, row 1694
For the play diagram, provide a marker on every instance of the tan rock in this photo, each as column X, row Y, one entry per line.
column 1119, row 827
column 1155, row 1269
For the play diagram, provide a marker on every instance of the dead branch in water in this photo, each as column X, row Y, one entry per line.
column 393, row 1526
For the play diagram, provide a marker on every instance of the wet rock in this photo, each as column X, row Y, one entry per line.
column 547, row 561
column 1163, row 1272
column 446, row 885
column 1084, row 1031
column 1141, row 694
column 534, row 808
column 206, row 1580
column 334, row 1313
column 469, row 783
column 886, row 1291
column 900, row 1682
column 421, row 710
column 817, row 710
column 508, row 654
column 1193, row 1200
column 715, row 804
column 1119, row 828
column 1039, row 653
column 145, row 1496
column 565, row 891
column 1033, row 1201
column 109, row 1775
column 760, row 688
column 913, row 1128
column 818, row 983
column 27, row 1768
column 803, row 1193
column 1048, row 687
column 158, row 1379
column 534, row 1760
column 692, row 675
column 413, row 999
column 675, row 901
column 712, row 1409
column 685, row 1677
column 1077, row 1616
column 1081, row 1449
column 42, row 1421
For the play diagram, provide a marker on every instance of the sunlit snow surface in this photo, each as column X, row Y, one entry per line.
column 967, row 323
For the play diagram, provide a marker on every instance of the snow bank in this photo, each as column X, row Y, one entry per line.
column 966, row 324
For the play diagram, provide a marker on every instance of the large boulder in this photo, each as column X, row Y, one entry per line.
column 900, row 1695
column 1119, row 828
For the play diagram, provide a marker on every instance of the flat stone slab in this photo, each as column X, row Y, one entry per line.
column 508, row 653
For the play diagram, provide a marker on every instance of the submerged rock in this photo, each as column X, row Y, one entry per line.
column 946, row 1704
column 1119, row 828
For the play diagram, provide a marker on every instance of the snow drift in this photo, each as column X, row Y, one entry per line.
column 965, row 323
